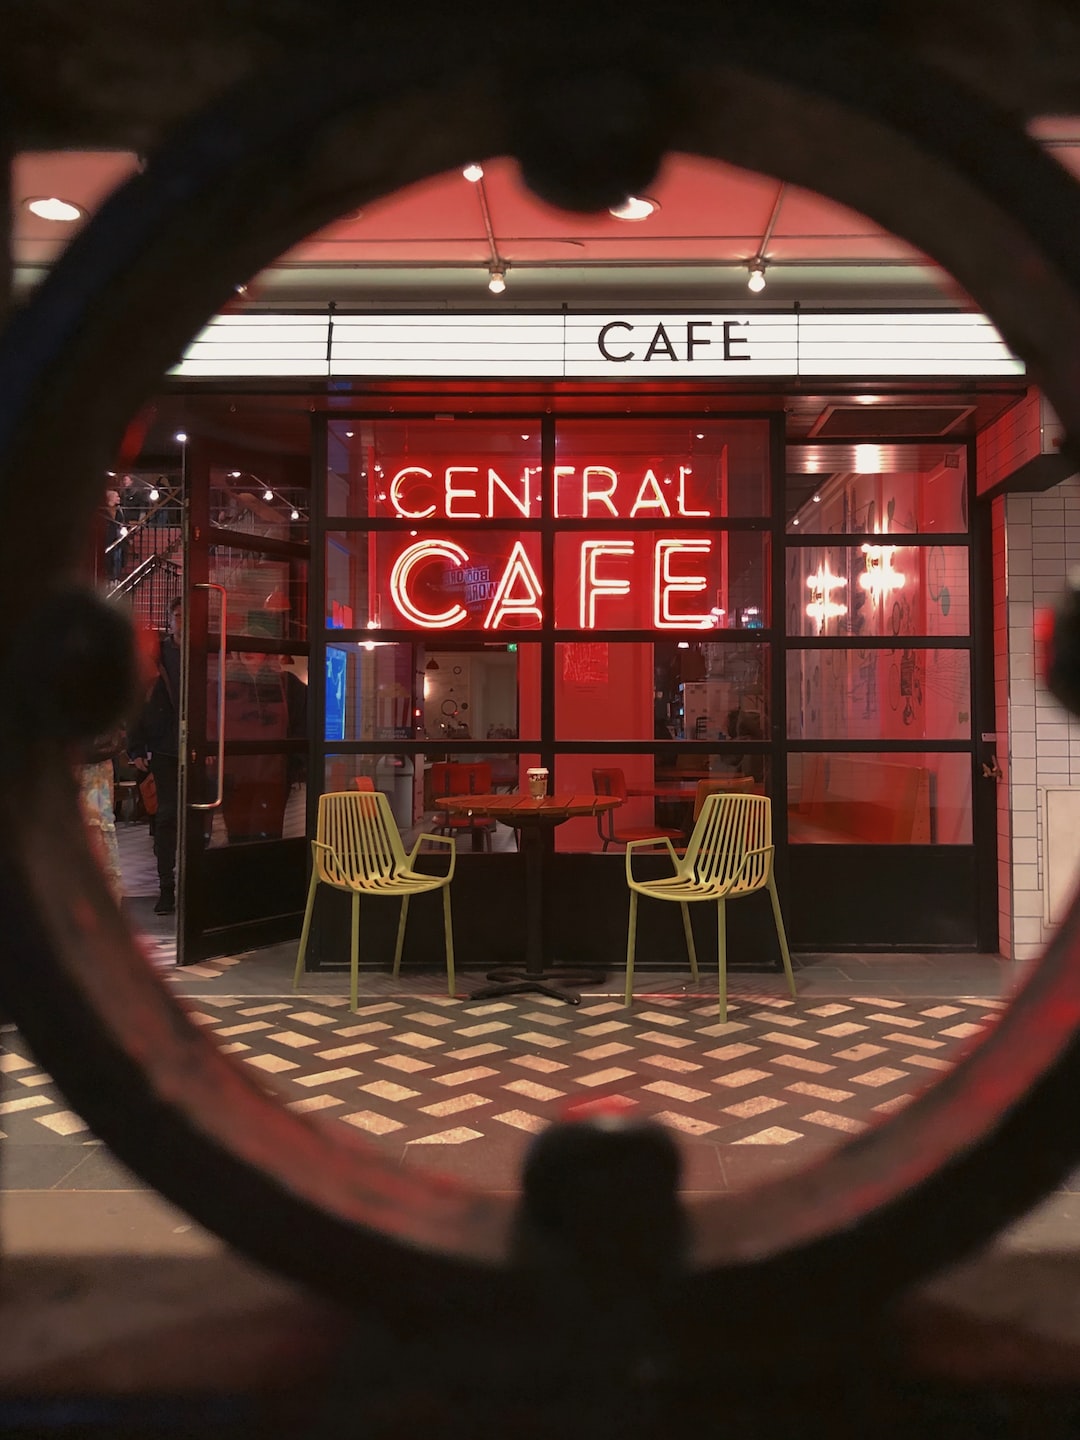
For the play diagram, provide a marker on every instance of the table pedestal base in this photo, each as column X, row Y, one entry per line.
column 561, row 983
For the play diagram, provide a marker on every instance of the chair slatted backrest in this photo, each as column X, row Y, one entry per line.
column 359, row 827
column 728, row 827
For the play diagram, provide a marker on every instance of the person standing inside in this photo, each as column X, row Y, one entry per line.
column 154, row 746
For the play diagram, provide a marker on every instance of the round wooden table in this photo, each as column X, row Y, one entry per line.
column 535, row 822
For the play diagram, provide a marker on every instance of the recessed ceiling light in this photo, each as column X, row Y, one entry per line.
column 50, row 207
column 634, row 207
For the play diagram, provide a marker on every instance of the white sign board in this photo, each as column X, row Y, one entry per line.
column 684, row 346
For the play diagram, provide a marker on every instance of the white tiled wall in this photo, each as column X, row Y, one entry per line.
column 1038, row 540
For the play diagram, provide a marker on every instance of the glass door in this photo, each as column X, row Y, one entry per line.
column 244, row 739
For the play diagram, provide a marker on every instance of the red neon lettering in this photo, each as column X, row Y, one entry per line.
column 665, row 585
column 420, row 554
column 518, row 572
column 395, row 493
column 593, row 585
column 643, row 502
column 522, row 502
column 589, row 494
column 684, row 471
column 453, row 492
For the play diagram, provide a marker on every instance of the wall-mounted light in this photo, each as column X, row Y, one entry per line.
column 473, row 172
column 497, row 279
column 756, row 282
column 432, row 664
column 879, row 578
column 822, row 606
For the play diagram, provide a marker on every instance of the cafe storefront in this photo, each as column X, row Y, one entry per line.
column 619, row 545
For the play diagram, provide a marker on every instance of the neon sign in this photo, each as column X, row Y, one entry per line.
column 582, row 492
column 423, row 571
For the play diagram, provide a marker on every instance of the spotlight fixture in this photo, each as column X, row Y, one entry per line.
column 497, row 283
column 51, row 207
column 756, row 282
column 295, row 515
column 634, row 207
column 155, row 495
column 235, row 474
column 268, row 494
column 180, row 437
column 473, row 172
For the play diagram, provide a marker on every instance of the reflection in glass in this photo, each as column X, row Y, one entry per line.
column 700, row 691
column 662, row 580
column 876, row 489
column 470, row 580
column 265, row 704
column 424, row 471
column 879, row 799
column 378, row 690
column 273, row 504
column 879, row 590
column 665, row 469
column 902, row 694
column 662, row 791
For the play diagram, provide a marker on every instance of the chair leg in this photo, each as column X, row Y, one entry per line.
column 401, row 935
column 631, row 938
column 306, row 931
column 721, row 957
column 781, row 935
column 354, row 952
column 689, row 932
column 448, row 929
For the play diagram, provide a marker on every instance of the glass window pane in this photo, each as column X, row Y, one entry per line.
column 471, row 580
column 664, row 691
column 431, row 470
column 661, row 468
column 874, row 489
column 380, row 691
column 652, row 580
column 839, row 799
column 265, row 597
column 273, row 504
column 903, row 694
column 878, row 590
column 658, row 794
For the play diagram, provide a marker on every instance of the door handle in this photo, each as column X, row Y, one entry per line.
column 992, row 771
column 215, row 804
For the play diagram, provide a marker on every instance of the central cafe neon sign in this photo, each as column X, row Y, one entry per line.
column 472, row 492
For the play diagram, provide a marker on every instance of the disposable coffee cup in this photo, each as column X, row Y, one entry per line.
column 538, row 780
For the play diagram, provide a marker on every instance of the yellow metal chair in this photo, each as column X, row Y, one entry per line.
column 730, row 855
column 359, row 849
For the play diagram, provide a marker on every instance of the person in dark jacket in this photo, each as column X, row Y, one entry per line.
column 154, row 746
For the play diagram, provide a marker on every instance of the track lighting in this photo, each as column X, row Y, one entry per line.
column 756, row 282
column 295, row 515
column 473, row 172
column 268, row 494
column 497, row 283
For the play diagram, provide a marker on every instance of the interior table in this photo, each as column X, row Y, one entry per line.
column 535, row 821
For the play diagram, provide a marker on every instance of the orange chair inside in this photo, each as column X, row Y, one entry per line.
column 612, row 781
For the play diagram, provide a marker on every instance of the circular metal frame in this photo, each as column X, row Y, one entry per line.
column 276, row 159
